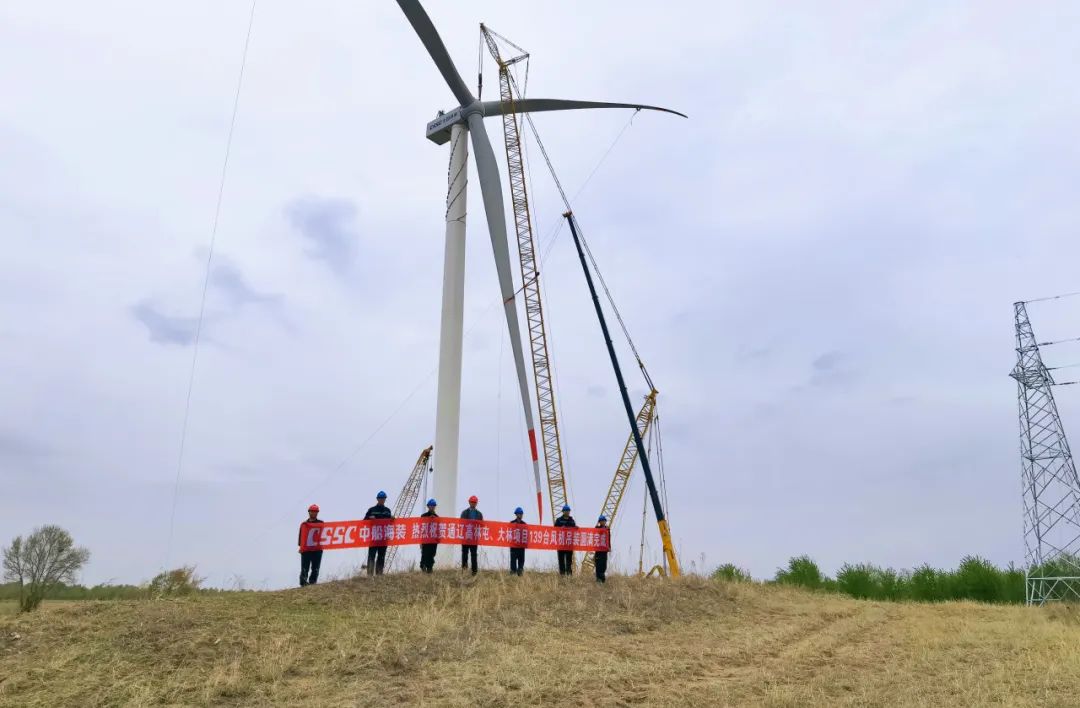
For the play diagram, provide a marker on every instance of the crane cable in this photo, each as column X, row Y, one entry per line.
column 585, row 244
column 206, row 285
column 554, row 233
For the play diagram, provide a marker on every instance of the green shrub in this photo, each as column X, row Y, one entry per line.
column 731, row 573
column 927, row 584
column 803, row 572
column 178, row 581
column 977, row 579
column 858, row 581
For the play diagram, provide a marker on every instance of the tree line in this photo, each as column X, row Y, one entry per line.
column 44, row 565
column 974, row 579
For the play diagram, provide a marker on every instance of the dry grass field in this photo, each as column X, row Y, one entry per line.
column 496, row 641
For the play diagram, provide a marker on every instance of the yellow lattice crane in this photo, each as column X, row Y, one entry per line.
column 530, row 274
column 622, row 472
column 406, row 501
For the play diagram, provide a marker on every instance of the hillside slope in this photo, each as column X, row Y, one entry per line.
column 495, row 640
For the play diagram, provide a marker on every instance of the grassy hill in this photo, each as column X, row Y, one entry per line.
column 495, row 640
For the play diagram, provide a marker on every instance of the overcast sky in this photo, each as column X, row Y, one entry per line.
column 818, row 268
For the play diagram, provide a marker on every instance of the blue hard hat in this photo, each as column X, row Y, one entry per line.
column 566, row 507
column 602, row 518
column 381, row 495
column 431, row 502
column 519, row 510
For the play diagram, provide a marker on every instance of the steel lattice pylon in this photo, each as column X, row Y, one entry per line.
column 1051, row 488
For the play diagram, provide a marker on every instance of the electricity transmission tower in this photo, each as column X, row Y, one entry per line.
column 1051, row 488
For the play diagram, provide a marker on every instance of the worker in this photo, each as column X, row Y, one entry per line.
column 469, row 552
column 566, row 558
column 600, row 557
column 427, row 550
column 517, row 555
column 376, row 555
column 309, row 560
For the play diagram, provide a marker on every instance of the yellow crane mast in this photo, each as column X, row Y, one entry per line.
column 406, row 501
column 530, row 275
column 622, row 472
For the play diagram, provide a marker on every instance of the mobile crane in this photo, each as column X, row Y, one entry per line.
column 530, row 274
column 406, row 501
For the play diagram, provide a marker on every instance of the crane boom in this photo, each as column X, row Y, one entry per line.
column 654, row 494
column 406, row 501
column 622, row 472
column 530, row 278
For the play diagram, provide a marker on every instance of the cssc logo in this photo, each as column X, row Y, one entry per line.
column 330, row 536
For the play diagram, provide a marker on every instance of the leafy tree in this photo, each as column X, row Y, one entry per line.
column 45, row 559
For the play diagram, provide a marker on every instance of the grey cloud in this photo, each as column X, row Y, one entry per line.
column 19, row 448
column 227, row 280
column 831, row 369
column 827, row 362
column 231, row 292
column 163, row 328
column 328, row 227
column 595, row 391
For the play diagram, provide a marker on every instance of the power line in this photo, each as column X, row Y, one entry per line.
column 1059, row 341
column 206, row 284
column 1052, row 297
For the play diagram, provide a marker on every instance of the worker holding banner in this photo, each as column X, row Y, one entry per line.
column 427, row 550
column 517, row 553
column 376, row 555
column 469, row 551
column 600, row 557
column 331, row 535
column 309, row 560
column 566, row 557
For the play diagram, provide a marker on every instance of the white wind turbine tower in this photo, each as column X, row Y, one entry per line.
column 452, row 126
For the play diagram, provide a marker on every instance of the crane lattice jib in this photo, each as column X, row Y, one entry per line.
column 622, row 472
column 406, row 501
column 530, row 278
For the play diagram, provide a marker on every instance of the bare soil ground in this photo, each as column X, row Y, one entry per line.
column 495, row 640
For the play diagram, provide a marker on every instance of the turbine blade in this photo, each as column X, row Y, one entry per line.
column 487, row 171
column 420, row 22
column 537, row 105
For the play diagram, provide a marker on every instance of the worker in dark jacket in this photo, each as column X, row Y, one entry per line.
column 600, row 557
column 427, row 550
column 566, row 558
column 468, row 552
column 376, row 555
column 517, row 555
column 309, row 560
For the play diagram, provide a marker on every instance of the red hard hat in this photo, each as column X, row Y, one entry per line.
column 313, row 507
column 473, row 499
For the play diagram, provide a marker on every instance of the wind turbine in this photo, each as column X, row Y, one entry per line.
column 452, row 126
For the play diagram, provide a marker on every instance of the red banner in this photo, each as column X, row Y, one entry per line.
column 332, row 535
